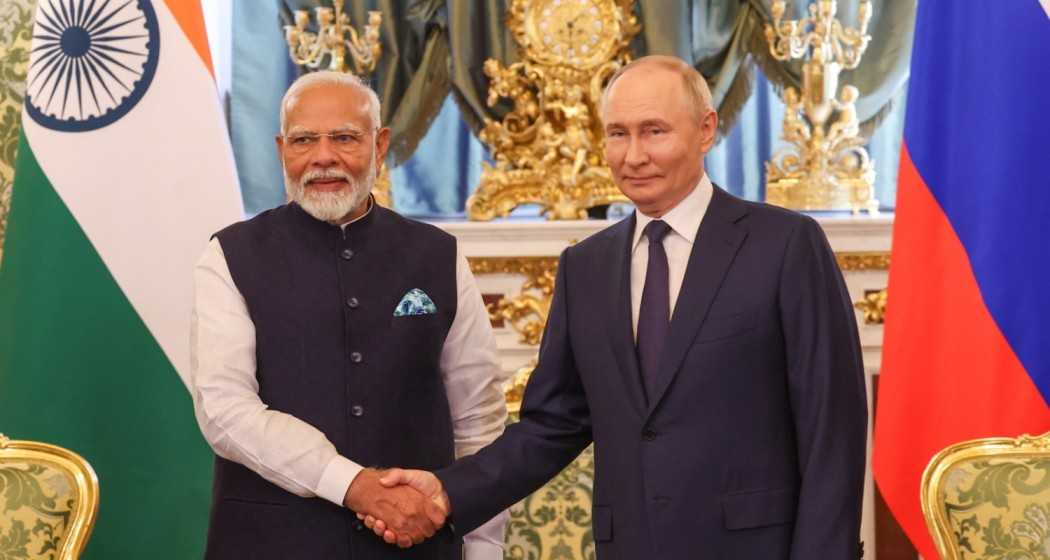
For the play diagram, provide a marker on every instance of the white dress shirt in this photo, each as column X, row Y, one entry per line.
column 684, row 220
column 292, row 453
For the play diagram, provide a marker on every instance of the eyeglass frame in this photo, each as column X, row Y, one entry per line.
column 288, row 139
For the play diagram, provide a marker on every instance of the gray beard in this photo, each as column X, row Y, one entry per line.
column 331, row 207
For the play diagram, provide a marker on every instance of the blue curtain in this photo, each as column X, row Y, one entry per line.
column 445, row 168
column 262, row 71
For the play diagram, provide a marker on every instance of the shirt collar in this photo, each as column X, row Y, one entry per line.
column 685, row 217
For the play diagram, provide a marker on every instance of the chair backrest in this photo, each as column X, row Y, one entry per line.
column 990, row 498
column 48, row 501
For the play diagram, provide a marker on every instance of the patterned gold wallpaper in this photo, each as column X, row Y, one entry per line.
column 15, row 33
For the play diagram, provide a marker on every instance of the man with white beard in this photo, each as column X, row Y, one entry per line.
column 332, row 336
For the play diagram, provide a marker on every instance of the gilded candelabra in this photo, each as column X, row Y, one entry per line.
column 335, row 37
column 549, row 148
column 827, row 167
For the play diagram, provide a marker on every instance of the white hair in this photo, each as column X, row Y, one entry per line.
column 328, row 77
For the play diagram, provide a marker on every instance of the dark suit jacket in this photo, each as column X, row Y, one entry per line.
column 753, row 445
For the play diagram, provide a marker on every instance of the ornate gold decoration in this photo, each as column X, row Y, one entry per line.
column 514, row 390
column 526, row 312
column 381, row 188
column 828, row 167
column 549, row 148
column 863, row 260
column 989, row 498
column 873, row 306
column 51, row 500
column 335, row 37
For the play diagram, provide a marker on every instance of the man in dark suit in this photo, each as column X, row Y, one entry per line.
column 706, row 345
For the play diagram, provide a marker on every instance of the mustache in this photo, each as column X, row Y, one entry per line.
column 316, row 174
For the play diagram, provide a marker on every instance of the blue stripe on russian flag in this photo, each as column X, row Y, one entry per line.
column 984, row 152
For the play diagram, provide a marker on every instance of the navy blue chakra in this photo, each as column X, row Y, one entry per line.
column 92, row 61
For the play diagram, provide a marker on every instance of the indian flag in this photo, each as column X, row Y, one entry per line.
column 124, row 171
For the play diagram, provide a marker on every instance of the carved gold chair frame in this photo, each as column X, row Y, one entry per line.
column 1022, row 456
column 85, row 489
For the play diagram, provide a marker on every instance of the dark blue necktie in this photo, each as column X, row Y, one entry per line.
column 654, row 314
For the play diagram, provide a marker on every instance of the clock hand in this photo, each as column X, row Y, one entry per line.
column 572, row 30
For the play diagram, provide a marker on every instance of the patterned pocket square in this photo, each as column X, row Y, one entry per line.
column 415, row 302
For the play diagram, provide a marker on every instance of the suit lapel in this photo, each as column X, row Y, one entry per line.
column 717, row 242
column 618, row 308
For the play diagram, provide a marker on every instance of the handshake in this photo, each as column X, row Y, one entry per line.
column 403, row 507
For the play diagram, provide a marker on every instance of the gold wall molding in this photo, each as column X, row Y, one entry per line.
column 548, row 265
column 527, row 311
column 863, row 260
column 873, row 306
column 549, row 149
column 514, row 390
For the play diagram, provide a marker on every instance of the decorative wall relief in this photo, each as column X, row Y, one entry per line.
column 16, row 27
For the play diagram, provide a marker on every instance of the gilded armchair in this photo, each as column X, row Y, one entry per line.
column 48, row 501
column 990, row 499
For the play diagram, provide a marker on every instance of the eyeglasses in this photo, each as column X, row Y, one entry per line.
column 347, row 141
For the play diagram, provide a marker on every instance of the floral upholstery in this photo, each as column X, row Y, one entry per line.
column 554, row 523
column 990, row 499
column 48, row 500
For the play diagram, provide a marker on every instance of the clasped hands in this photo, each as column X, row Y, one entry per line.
column 403, row 507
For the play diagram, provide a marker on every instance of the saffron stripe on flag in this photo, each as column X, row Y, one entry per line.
column 191, row 20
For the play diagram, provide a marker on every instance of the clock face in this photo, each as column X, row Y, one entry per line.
column 575, row 32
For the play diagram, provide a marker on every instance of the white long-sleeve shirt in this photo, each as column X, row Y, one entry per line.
column 292, row 453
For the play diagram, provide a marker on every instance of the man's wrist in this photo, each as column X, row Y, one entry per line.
column 336, row 479
column 352, row 498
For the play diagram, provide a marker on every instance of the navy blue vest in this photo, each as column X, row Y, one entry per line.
column 331, row 352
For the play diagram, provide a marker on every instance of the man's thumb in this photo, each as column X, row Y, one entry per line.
column 394, row 477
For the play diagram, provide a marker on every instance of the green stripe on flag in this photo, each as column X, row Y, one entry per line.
column 79, row 368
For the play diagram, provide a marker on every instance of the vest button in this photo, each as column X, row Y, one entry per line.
column 347, row 254
column 357, row 411
column 356, row 357
column 359, row 526
column 648, row 435
column 352, row 303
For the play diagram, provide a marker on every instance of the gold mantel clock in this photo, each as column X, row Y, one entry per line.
column 548, row 149
column 579, row 33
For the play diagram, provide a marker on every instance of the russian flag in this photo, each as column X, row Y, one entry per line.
column 967, row 340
